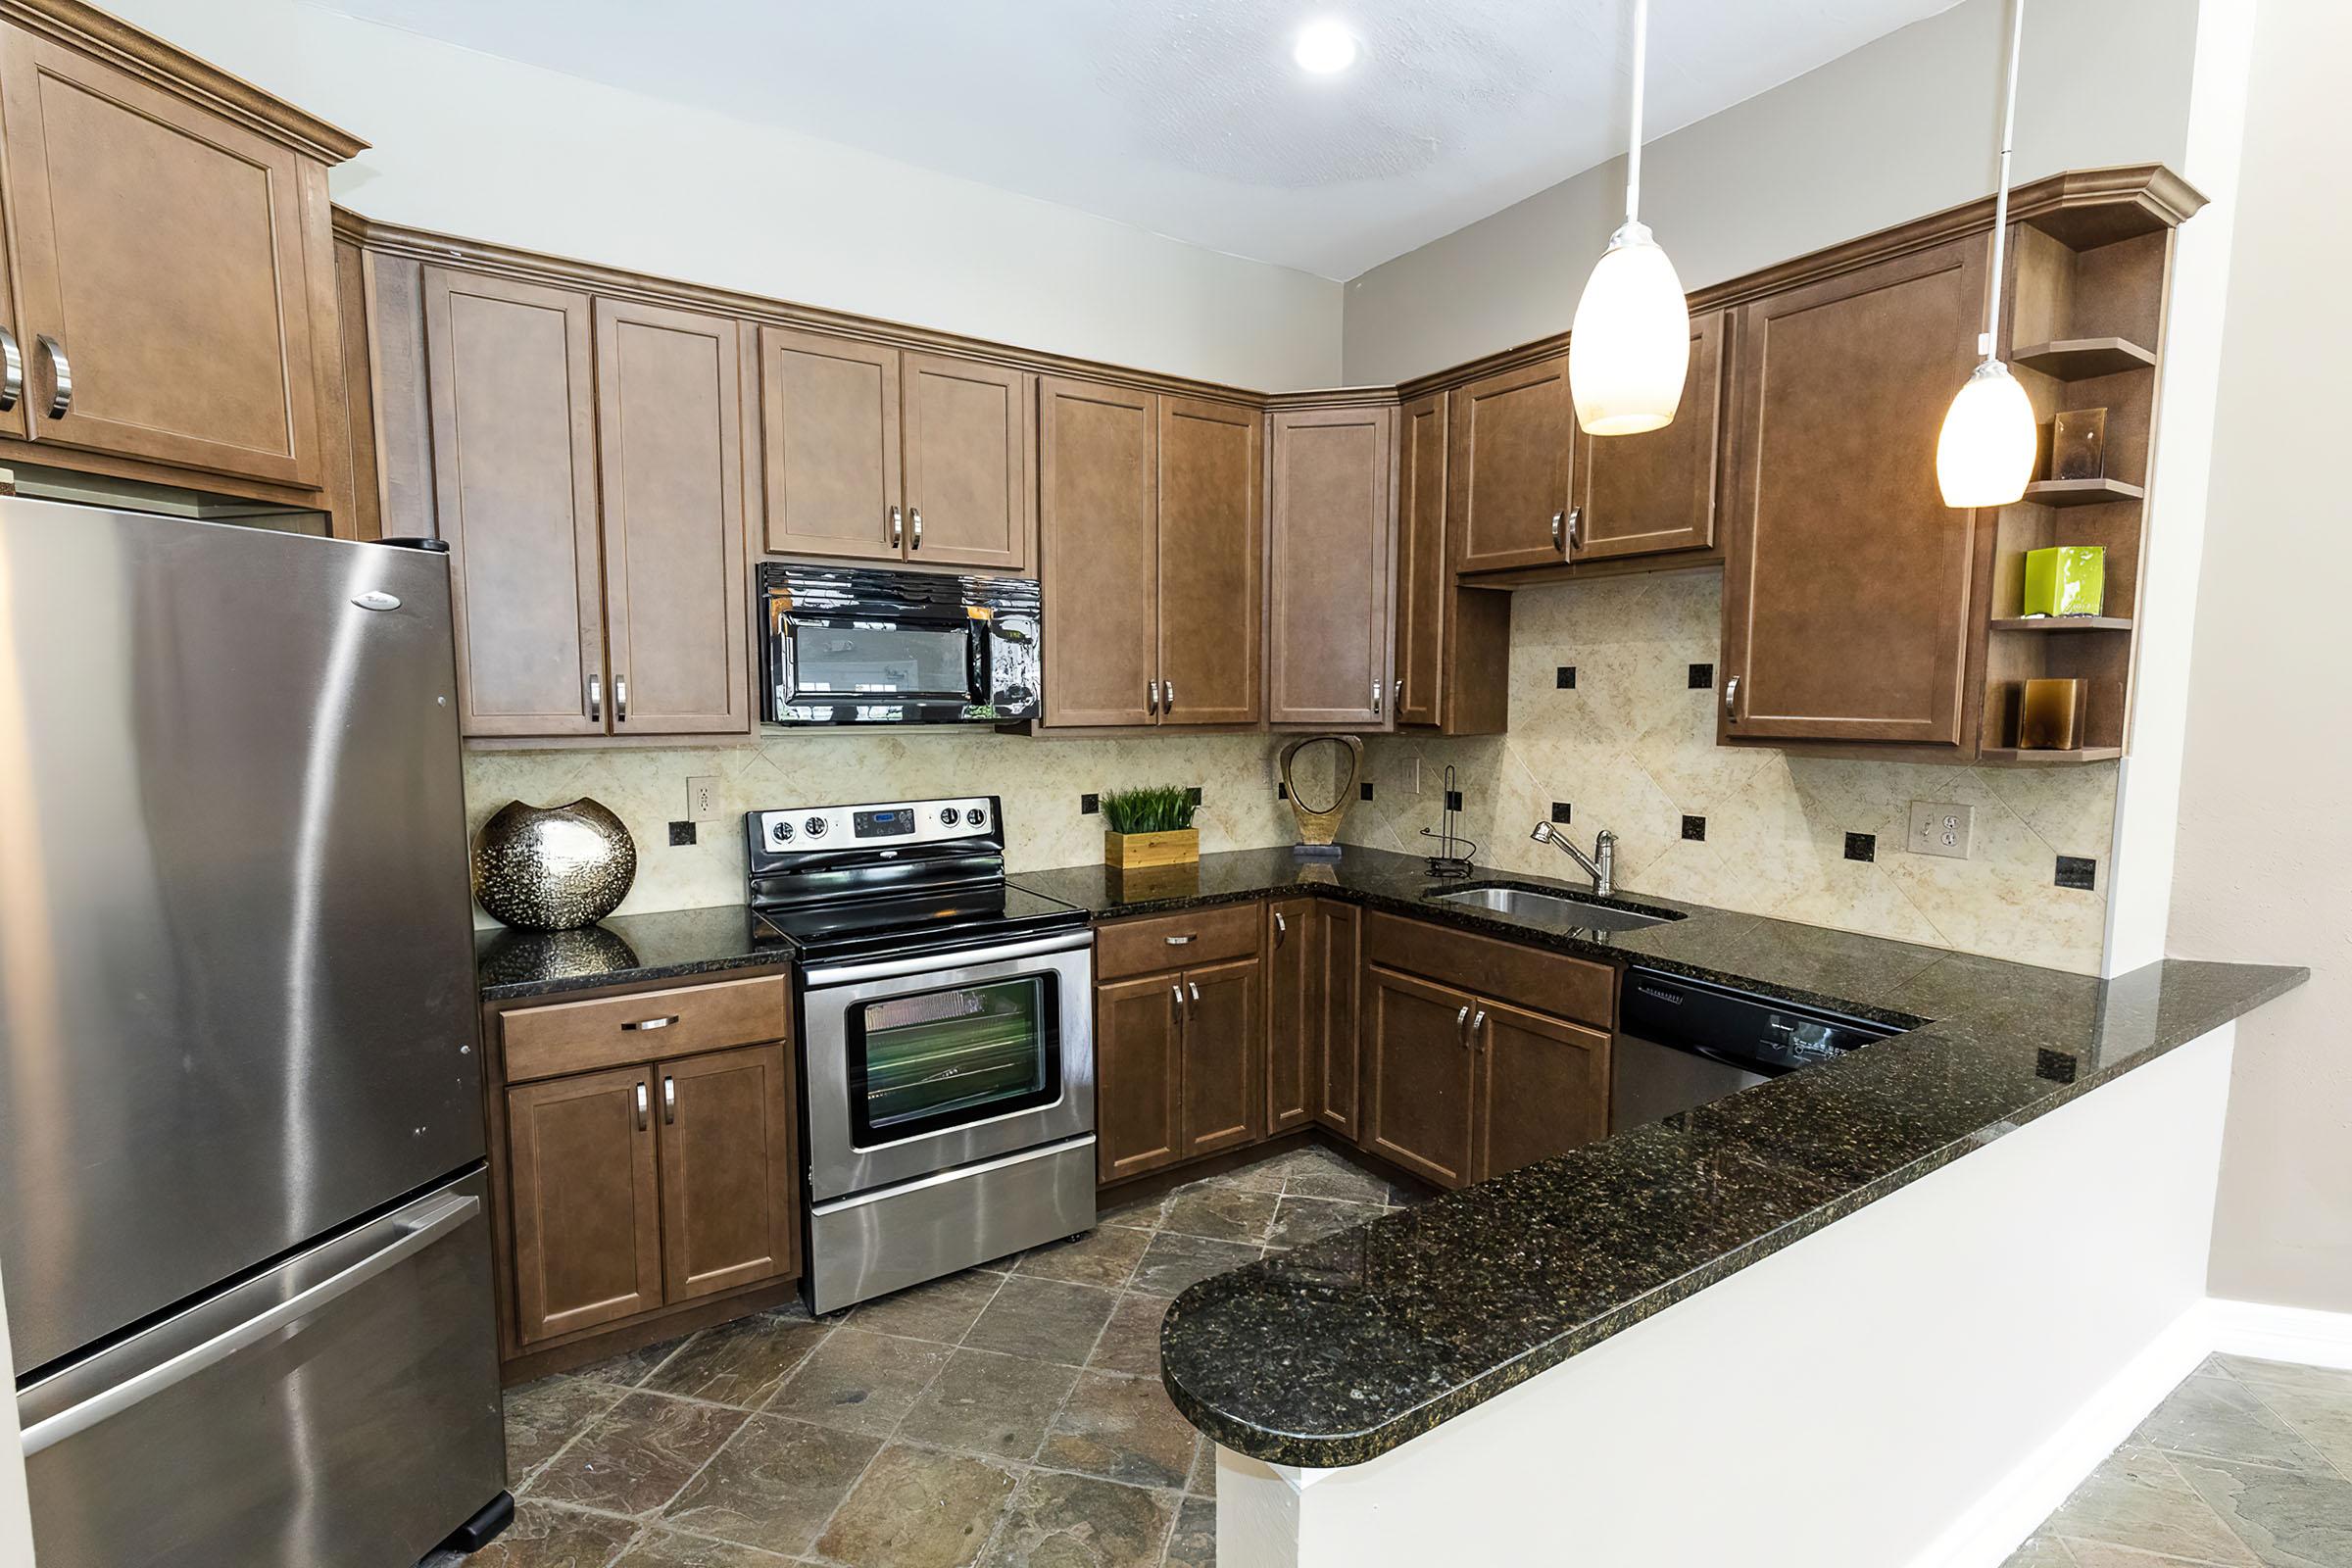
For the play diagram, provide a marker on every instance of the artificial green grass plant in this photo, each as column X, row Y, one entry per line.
column 1156, row 809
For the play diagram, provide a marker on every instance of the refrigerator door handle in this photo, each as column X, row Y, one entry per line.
column 419, row 1232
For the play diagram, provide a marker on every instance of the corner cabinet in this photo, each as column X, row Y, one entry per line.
column 1330, row 567
column 1454, row 644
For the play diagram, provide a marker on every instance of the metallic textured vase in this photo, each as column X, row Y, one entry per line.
column 552, row 868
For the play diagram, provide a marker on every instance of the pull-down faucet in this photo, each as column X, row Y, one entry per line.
column 1601, row 866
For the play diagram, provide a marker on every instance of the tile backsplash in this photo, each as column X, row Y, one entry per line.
column 1628, row 743
column 1040, row 780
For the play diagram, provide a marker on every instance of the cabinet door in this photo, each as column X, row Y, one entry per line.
column 1336, row 1077
column 1211, row 550
column 587, row 1200
column 1422, row 1075
column 1293, row 1011
column 1139, row 1076
column 1097, row 528
column 829, row 446
column 1424, row 578
column 669, row 439
column 730, row 1212
column 1331, row 540
column 509, row 378
column 1645, row 495
column 1543, row 1087
column 1224, row 1056
column 163, row 249
column 1511, row 436
column 1847, row 592
column 968, row 494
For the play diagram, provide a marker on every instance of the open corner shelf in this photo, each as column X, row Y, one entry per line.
column 2055, row 623
column 2081, row 358
column 2081, row 754
column 2080, row 492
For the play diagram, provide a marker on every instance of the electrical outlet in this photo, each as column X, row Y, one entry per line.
column 702, row 800
column 1941, row 827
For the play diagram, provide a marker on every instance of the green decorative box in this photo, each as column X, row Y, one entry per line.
column 2066, row 580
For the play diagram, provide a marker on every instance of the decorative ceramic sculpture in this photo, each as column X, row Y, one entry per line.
column 1319, row 826
column 552, row 868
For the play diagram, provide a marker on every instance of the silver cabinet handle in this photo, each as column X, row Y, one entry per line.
column 898, row 530
column 1462, row 1025
column 1376, row 698
column 1168, row 697
column 1396, row 693
column 914, row 514
column 1576, row 516
column 621, row 698
column 1178, row 941
column 60, row 400
column 1177, row 991
column 669, row 1098
column 1558, row 541
column 1193, row 986
column 1281, row 928
column 1151, row 703
column 12, row 371
column 1478, row 1024
column 641, row 1105
column 596, row 699
column 1730, row 699
column 651, row 1023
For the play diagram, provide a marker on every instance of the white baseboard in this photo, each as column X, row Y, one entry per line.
column 2280, row 1333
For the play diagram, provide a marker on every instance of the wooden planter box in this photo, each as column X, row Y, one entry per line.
column 1132, row 850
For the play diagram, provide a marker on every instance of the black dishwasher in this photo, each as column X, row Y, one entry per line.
column 1682, row 1042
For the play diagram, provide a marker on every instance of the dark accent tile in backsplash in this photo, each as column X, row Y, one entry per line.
column 1366, row 789
column 1453, row 799
column 1702, row 677
column 1282, row 792
column 1694, row 827
column 1565, row 678
column 1861, row 845
column 2077, row 872
column 1194, row 795
column 1559, row 811
column 1088, row 804
column 681, row 833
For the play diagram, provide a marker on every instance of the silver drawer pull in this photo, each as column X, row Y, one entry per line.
column 60, row 400
column 641, row 1105
column 1193, row 986
column 1178, row 941
column 1730, row 699
column 651, row 1023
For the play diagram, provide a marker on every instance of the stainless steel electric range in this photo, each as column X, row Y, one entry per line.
column 946, row 1035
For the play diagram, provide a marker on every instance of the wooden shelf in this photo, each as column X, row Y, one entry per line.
column 2048, row 623
column 2080, row 492
column 2080, row 359
column 2081, row 754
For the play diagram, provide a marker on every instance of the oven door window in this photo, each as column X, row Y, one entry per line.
column 929, row 1060
column 889, row 659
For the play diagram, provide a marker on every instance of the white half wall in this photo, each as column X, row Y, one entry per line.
column 1920, row 1383
column 468, row 144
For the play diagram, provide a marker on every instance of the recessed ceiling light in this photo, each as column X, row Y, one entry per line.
column 1324, row 47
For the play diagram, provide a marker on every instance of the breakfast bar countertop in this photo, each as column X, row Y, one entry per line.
column 1340, row 1350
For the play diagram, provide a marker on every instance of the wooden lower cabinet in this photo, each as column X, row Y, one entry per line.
column 1224, row 1056
column 1543, row 1087
column 1338, row 1075
column 1139, row 1076
column 1421, row 1077
column 584, row 1182
column 1294, row 1012
column 726, row 1172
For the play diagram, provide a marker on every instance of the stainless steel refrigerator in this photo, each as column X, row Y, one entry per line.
column 243, row 1230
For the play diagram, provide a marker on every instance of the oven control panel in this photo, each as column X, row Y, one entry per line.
column 810, row 827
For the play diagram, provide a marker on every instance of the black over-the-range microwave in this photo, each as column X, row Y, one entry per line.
column 856, row 645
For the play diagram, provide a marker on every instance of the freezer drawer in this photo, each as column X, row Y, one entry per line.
column 341, row 1409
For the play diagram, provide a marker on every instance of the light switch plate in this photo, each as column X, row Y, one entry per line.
column 702, row 800
column 1939, row 827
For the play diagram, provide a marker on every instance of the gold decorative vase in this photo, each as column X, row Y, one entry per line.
column 1320, row 825
column 552, row 868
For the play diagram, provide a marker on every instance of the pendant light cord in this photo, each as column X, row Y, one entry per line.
column 1633, row 158
column 2001, row 202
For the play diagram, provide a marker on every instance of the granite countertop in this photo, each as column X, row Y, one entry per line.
column 1340, row 1350
column 673, row 944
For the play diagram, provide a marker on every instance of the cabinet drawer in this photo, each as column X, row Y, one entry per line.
column 1500, row 971
column 1174, row 941
column 583, row 1036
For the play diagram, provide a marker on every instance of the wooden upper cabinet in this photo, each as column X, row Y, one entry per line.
column 1211, row 546
column 1646, row 495
column 586, row 1199
column 968, row 434
column 1543, row 1087
column 1098, row 529
column 1421, row 1076
column 1330, row 548
column 1138, row 1075
column 1224, row 1056
column 514, row 424
column 1848, row 596
column 730, row 1214
column 1511, row 438
column 829, row 428
column 671, row 443
column 1454, row 644
column 167, row 264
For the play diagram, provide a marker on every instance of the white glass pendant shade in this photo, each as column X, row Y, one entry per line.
column 1630, row 346
column 1985, row 454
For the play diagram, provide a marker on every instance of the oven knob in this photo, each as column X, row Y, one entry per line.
column 976, row 818
column 815, row 827
column 949, row 816
column 781, row 832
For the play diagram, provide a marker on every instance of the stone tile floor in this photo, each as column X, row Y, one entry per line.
column 2248, row 1464
column 1008, row 1416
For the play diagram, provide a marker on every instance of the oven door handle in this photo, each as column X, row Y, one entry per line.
column 952, row 958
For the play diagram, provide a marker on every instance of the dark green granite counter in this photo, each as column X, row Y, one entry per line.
column 674, row 944
column 1342, row 1349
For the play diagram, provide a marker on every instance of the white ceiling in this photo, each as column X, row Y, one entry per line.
column 1188, row 119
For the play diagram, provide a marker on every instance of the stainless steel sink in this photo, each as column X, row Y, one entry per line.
column 1560, row 906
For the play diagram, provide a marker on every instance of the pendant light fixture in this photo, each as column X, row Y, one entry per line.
column 1985, row 454
column 1630, row 345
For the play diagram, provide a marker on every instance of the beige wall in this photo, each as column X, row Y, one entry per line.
column 1901, row 126
column 2265, row 850
column 481, row 147
column 1632, row 747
